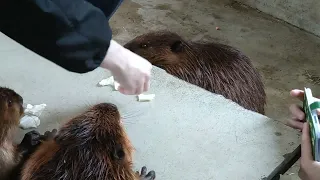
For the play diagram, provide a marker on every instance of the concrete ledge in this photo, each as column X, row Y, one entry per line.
column 185, row 133
column 303, row 14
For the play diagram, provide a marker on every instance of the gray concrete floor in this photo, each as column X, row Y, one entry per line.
column 281, row 53
column 285, row 56
column 184, row 129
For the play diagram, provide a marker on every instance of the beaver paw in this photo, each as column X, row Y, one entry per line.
column 144, row 176
column 48, row 135
column 30, row 141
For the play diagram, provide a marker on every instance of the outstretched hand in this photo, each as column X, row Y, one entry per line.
column 130, row 70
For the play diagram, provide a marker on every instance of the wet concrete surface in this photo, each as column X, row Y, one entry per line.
column 286, row 56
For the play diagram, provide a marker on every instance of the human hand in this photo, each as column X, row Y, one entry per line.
column 130, row 70
column 297, row 113
column 309, row 169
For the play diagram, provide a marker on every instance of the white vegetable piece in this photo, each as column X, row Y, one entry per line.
column 146, row 97
column 35, row 110
column 31, row 118
column 28, row 122
column 110, row 82
column 107, row 82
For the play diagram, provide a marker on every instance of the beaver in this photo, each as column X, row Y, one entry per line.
column 90, row 146
column 216, row 67
column 12, row 155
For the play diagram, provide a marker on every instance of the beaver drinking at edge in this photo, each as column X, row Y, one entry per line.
column 91, row 146
column 12, row 156
column 218, row 68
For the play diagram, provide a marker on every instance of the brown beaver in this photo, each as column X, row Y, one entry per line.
column 218, row 68
column 91, row 146
column 12, row 155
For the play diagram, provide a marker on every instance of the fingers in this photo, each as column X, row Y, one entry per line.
column 147, row 84
column 297, row 112
column 295, row 123
column 298, row 117
column 306, row 149
column 138, row 88
column 123, row 90
column 297, row 93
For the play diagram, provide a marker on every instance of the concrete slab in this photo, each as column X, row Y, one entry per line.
column 285, row 56
column 185, row 133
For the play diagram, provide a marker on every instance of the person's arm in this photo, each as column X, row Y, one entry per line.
column 82, row 33
column 309, row 169
column 74, row 34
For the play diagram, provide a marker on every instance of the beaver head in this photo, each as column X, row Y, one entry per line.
column 11, row 108
column 161, row 48
column 91, row 146
column 216, row 67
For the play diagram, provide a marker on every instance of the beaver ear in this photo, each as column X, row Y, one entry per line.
column 177, row 46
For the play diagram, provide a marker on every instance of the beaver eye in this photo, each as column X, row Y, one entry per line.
column 144, row 46
column 120, row 154
column 9, row 103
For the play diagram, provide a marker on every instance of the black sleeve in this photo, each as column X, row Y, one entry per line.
column 71, row 33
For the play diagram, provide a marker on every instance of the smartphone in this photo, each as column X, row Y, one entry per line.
column 310, row 106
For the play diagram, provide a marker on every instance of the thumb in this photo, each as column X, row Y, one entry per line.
column 297, row 93
column 306, row 149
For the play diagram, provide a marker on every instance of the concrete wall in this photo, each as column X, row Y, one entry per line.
column 304, row 14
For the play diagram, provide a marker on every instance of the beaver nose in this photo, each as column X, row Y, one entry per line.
column 127, row 46
column 131, row 47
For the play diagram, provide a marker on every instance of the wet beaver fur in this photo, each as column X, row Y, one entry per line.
column 218, row 68
column 12, row 156
column 91, row 146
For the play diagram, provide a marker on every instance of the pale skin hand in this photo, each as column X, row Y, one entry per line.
column 309, row 169
column 298, row 116
column 130, row 70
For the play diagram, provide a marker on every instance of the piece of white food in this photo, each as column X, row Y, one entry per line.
column 110, row 82
column 31, row 118
column 107, row 82
column 28, row 122
column 146, row 97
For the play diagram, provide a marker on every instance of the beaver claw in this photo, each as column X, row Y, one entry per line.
column 144, row 176
column 30, row 141
column 48, row 135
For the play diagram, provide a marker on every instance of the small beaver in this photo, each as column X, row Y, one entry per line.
column 11, row 155
column 218, row 68
column 91, row 146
